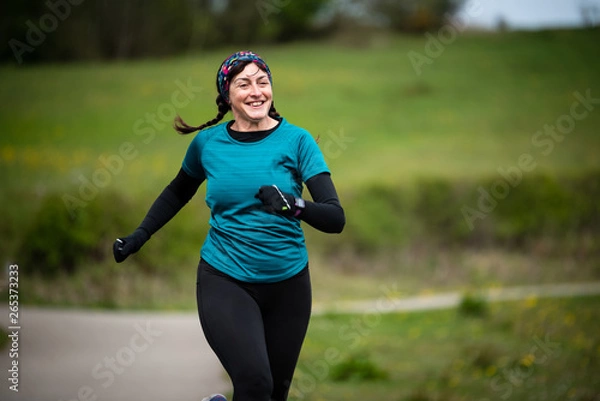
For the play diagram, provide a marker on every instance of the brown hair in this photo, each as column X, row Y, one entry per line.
column 222, row 108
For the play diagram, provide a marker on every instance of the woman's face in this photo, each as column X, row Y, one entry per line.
column 250, row 95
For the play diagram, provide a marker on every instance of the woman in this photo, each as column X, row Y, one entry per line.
column 253, row 286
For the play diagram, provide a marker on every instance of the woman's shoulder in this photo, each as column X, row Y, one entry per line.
column 294, row 130
column 209, row 133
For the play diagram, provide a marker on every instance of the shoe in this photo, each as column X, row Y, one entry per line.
column 215, row 397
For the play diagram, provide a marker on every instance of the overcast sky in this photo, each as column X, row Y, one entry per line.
column 531, row 14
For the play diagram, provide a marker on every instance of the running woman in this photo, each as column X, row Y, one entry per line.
column 253, row 284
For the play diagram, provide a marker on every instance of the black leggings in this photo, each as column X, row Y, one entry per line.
column 255, row 329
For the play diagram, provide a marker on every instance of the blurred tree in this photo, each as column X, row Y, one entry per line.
column 590, row 14
column 245, row 22
column 414, row 15
column 296, row 19
column 502, row 24
column 239, row 22
column 40, row 30
column 137, row 28
column 15, row 23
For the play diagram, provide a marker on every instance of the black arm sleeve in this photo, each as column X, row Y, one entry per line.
column 170, row 201
column 325, row 213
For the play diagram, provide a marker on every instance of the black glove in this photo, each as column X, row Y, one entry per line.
column 275, row 201
column 123, row 247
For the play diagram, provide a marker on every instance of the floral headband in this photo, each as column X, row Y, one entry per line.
column 233, row 60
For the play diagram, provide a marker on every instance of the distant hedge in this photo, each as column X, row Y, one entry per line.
column 490, row 212
column 60, row 241
column 380, row 218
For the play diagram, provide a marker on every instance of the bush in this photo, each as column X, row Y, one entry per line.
column 436, row 208
column 585, row 191
column 472, row 305
column 381, row 217
column 539, row 205
column 357, row 367
column 375, row 219
column 59, row 241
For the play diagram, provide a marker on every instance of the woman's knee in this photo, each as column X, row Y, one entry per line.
column 253, row 386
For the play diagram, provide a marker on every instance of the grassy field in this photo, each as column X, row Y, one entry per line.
column 385, row 129
column 536, row 349
column 476, row 108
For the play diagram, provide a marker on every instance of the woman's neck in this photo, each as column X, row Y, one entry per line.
column 249, row 126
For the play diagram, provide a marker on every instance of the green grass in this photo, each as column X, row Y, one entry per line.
column 475, row 109
column 472, row 111
column 536, row 349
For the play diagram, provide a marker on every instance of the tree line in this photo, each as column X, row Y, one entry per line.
column 64, row 30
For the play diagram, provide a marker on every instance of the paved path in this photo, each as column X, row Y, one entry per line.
column 95, row 356
column 79, row 355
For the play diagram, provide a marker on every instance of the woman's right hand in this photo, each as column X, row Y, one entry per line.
column 123, row 247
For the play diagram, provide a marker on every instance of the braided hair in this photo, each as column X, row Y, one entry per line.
column 232, row 66
column 183, row 128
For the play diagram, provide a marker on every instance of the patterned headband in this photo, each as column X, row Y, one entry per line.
column 231, row 62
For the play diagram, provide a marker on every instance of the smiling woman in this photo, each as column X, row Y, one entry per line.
column 253, row 283
column 250, row 99
column 251, row 78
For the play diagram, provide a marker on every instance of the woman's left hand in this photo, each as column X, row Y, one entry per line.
column 275, row 201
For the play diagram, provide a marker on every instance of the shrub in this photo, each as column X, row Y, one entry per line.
column 357, row 367
column 59, row 241
column 473, row 306
column 539, row 206
column 585, row 191
column 383, row 217
column 436, row 207
column 376, row 219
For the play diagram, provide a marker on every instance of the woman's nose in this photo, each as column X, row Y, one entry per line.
column 255, row 90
